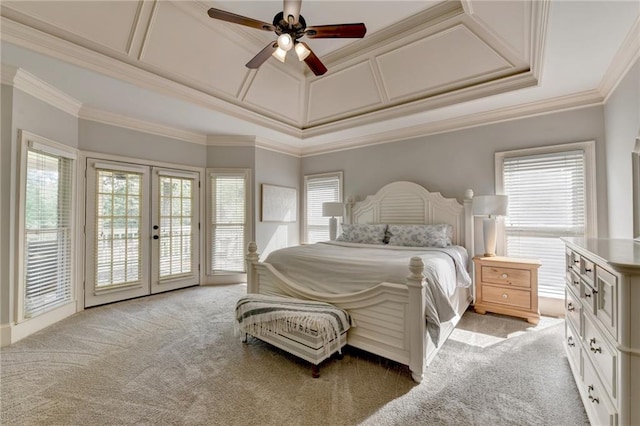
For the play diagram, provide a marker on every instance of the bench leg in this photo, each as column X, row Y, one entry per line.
column 245, row 338
column 315, row 371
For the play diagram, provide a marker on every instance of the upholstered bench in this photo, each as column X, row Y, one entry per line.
column 307, row 329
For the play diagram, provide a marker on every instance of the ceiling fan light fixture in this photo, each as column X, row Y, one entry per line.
column 302, row 51
column 280, row 54
column 285, row 42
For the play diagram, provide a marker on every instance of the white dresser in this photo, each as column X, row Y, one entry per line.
column 603, row 327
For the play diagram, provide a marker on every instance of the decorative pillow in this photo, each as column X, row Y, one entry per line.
column 438, row 235
column 363, row 233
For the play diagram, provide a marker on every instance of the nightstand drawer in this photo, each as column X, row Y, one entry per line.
column 506, row 276
column 506, row 296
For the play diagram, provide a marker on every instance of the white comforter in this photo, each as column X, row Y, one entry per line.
column 339, row 267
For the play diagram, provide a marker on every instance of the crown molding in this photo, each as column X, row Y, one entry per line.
column 505, row 84
column 49, row 45
column 558, row 104
column 7, row 74
column 113, row 119
column 253, row 141
column 32, row 85
column 624, row 59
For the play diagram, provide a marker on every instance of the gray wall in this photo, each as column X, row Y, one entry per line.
column 452, row 162
column 276, row 169
column 622, row 126
column 107, row 139
column 21, row 111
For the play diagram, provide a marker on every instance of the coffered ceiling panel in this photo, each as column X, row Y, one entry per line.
column 106, row 23
column 443, row 61
column 508, row 20
column 342, row 93
column 278, row 93
column 183, row 45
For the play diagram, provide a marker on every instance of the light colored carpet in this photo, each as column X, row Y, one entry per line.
column 173, row 358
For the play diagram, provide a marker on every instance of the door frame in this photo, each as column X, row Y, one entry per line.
column 82, row 209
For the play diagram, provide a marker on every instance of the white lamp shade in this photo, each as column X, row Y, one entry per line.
column 280, row 54
column 302, row 51
column 332, row 209
column 490, row 205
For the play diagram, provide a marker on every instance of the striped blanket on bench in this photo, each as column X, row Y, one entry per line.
column 259, row 314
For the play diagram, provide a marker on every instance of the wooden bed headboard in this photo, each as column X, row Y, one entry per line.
column 407, row 202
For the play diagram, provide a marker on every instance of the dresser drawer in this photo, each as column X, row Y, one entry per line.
column 573, row 281
column 587, row 270
column 573, row 311
column 573, row 261
column 506, row 296
column 606, row 300
column 506, row 276
column 600, row 409
column 572, row 340
column 603, row 356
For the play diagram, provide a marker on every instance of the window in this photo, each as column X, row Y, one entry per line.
column 550, row 196
column 229, row 193
column 319, row 189
column 46, row 276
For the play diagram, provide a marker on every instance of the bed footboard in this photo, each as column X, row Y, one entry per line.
column 389, row 318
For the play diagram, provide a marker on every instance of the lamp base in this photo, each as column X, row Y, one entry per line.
column 333, row 228
column 489, row 231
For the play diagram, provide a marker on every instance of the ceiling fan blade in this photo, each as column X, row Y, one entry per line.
column 262, row 56
column 336, row 31
column 238, row 19
column 313, row 62
column 291, row 7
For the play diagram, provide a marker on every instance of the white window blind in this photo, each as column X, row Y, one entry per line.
column 547, row 196
column 48, row 221
column 228, row 222
column 320, row 189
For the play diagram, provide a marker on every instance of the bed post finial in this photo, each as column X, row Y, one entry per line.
column 251, row 260
column 416, row 266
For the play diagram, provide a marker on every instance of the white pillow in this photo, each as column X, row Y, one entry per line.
column 363, row 233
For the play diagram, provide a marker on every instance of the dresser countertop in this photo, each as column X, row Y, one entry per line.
column 623, row 253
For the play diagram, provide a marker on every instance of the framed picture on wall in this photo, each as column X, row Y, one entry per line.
column 279, row 203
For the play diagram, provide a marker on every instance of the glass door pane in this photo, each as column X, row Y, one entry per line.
column 175, row 229
column 116, row 232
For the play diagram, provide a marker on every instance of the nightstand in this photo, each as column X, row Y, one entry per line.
column 507, row 285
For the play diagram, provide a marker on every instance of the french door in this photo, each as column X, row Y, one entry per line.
column 141, row 230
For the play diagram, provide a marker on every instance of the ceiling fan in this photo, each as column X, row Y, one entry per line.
column 290, row 26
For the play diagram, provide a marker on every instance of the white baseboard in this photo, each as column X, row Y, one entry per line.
column 26, row 328
column 5, row 335
column 225, row 279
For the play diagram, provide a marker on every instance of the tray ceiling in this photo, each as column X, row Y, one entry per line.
column 417, row 57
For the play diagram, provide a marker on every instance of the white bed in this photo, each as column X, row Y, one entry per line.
column 389, row 316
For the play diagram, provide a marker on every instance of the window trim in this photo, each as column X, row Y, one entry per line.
column 306, row 178
column 227, row 277
column 24, row 325
column 591, row 219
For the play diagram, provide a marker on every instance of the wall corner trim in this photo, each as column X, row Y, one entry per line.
column 32, row 85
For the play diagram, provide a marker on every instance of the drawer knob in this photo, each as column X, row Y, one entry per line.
column 570, row 307
column 588, row 270
column 504, row 275
column 592, row 398
column 593, row 348
column 570, row 341
column 505, row 296
column 587, row 294
column 576, row 261
column 576, row 283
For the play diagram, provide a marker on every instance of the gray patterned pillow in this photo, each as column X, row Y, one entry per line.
column 438, row 235
column 362, row 233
